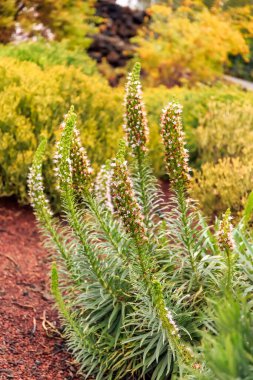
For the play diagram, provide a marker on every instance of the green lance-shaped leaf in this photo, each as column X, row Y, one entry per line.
column 60, row 301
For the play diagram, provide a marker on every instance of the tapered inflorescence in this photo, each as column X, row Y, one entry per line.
column 225, row 233
column 103, row 186
column 38, row 198
column 82, row 170
column 135, row 117
column 123, row 199
column 176, row 155
column 75, row 168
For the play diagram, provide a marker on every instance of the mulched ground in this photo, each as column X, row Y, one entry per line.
column 28, row 351
column 29, row 348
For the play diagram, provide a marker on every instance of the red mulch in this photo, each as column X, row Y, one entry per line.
column 27, row 352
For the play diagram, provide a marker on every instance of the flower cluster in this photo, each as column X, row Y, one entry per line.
column 103, row 186
column 225, row 233
column 176, row 156
column 124, row 202
column 82, row 170
column 35, row 184
column 75, row 168
column 62, row 162
column 135, row 124
column 173, row 325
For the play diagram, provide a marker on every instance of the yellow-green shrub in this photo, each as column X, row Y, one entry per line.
column 224, row 184
column 46, row 54
column 226, row 130
column 224, row 143
column 32, row 102
column 196, row 106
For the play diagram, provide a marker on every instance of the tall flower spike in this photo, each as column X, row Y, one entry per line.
column 38, row 198
column 225, row 233
column 75, row 168
column 103, row 186
column 123, row 199
column 135, row 117
column 82, row 171
column 176, row 156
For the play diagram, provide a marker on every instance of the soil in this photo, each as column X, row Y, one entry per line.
column 30, row 349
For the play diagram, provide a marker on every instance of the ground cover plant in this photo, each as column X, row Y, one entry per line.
column 139, row 281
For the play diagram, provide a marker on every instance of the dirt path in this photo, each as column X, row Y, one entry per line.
column 26, row 352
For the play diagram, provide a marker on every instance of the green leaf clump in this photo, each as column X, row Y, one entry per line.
column 135, row 276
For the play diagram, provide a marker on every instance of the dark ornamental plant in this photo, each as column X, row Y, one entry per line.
column 133, row 274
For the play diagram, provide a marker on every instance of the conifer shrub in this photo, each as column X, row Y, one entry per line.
column 134, row 273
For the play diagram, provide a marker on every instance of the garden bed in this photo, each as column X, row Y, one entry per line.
column 27, row 350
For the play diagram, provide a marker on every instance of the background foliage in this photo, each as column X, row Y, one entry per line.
column 60, row 20
column 187, row 45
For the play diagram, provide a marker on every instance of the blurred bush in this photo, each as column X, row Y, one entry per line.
column 227, row 183
column 187, row 44
column 196, row 102
column 226, row 130
column 32, row 104
column 46, row 54
column 225, row 149
column 72, row 21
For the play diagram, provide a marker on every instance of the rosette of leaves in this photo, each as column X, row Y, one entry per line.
column 133, row 272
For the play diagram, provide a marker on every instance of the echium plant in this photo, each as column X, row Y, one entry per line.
column 133, row 273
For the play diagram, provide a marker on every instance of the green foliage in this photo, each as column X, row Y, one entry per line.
column 226, row 130
column 229, row 353
column 225, row 144
column 196, row 102
column 32, row 108
column 46, row 54
column 224, row 184
column 133, row 276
